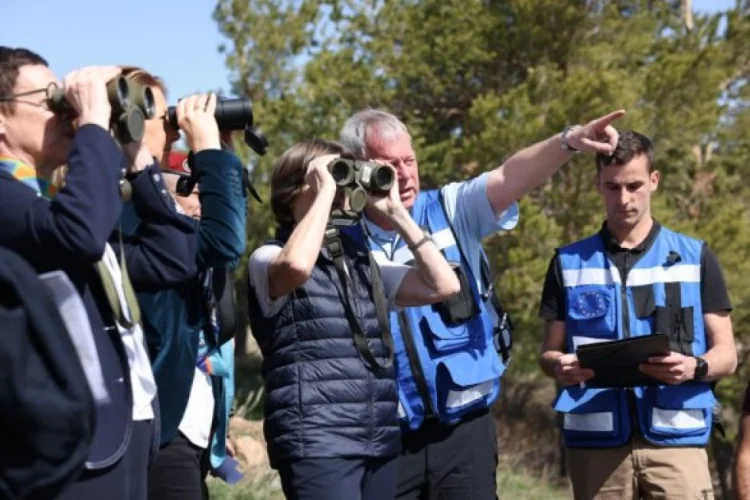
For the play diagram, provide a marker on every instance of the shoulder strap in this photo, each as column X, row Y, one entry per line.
column 504, row 328
column 220, row 301
column 335, row 248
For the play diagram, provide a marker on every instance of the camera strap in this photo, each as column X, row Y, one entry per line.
column 503, row 336
column 336, row 249
column 219, row 304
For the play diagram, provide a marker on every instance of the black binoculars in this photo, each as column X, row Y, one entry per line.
column 361, row 178
column 132, row 104
column 232, row 114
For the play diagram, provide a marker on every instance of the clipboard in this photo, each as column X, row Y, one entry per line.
column 615, row 363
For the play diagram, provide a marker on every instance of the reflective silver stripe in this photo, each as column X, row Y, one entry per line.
column 401, row 411
column 443, row 239
column 682, row 273
column 678, row 419
column 579, row 341
column 457, row 399
column 589, row 276
column 589, row 422
column 380, row 256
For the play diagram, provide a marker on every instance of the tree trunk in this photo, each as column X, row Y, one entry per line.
column 687, row 14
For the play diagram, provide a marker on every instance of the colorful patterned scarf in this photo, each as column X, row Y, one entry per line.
column 27, row 174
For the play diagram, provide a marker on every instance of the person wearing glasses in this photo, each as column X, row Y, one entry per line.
column 192, row 363
column 73, row 230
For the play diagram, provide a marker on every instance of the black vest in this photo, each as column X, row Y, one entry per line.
column 322, row 400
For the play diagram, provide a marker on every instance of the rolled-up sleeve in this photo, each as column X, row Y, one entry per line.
column 470, row 210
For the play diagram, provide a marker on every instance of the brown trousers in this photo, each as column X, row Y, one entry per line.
column 639, row 470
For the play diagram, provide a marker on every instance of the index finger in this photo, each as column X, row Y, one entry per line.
column 613, row 136
column 211, row 103
column 106, row 73
column 603, row 121
column 667, row 359
column 321, row 161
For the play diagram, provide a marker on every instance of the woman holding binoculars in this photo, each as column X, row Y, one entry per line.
column 318, row 309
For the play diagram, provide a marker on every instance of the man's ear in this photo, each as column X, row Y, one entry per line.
column 654, row 177
column 3, row 123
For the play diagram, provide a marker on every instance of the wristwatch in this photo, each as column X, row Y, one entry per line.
column 701, row 369
column 427, row 237
column 564, row 138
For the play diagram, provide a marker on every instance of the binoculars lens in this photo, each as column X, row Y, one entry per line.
column 382, row 178
column 360, row 179
column 118, row 92
column 341, row 172
column 143, row 99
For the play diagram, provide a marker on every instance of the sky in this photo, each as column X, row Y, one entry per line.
column 175, row 39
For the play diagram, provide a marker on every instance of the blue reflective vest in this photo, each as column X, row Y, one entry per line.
column 601, row 307
column 444, row 371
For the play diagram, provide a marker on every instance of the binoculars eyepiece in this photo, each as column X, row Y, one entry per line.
column 361, row 178
column 132, row 104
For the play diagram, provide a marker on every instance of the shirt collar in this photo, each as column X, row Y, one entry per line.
column 377, row 233
column 612, row 245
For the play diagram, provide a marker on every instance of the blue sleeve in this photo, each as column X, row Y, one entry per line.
column 221, row 235
column 73, row 228
column 470, row 210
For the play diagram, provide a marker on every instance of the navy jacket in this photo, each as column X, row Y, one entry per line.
column 174, row 318
column 39, row 455
column 322, row 399
column 70, row 233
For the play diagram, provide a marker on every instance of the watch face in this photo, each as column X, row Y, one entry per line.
column 701, row 368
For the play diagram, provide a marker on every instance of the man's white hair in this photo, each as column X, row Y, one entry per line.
column 369, row 122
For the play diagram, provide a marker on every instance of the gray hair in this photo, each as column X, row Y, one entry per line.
column 376, row 121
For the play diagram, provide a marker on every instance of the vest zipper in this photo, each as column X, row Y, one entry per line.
column 630, row 399
column 624, row 301
column 415, row 366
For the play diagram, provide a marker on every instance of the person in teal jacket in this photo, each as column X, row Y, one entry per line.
column 193, row 372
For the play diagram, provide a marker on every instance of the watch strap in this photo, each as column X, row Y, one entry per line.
column 564, row 138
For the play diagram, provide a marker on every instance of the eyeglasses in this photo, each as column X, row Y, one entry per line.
column 46, row 91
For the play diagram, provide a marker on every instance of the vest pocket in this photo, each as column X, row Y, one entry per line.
column 590, row 415
column 591, row 311
column 446, row 338
column 464, row 382
column 677, row 323
column 679, row 410
column 461, row 307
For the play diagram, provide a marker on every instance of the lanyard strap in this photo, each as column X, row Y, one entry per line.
column 109, row 282
column 336, row 249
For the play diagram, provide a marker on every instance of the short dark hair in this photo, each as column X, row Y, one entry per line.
column 630, row 145
column 289, row 174
column 11, row 61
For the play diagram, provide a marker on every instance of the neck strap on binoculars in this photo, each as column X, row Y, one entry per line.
column 110, row 285
column 335, row 248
